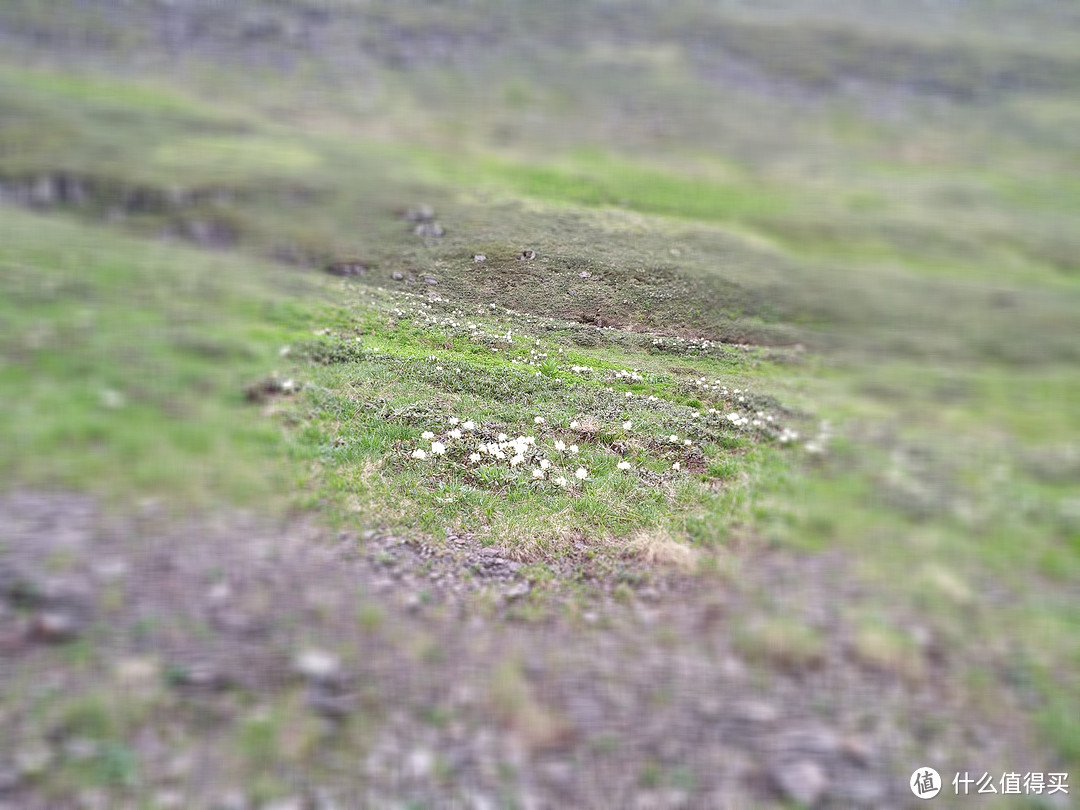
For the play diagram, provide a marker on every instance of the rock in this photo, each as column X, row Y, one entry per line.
column 419, row 763
column 33, row 759
column 810, row 740
column 479, row 257
column 429, row 230
column 802, row 781
column 328, row 702
column 420, row 213
column 860, row 791
column 756, row 712
column 80, row 749
column 710, row 707
column 396, row 276
column 10, row 779
column 431, row 282
column 289, row 803
column 56, row 626
column 318, row 666
column 346, row 269
column 168, row 800
column 584, row 274
column 528, row 255
column 231, row 800
column 200, row 675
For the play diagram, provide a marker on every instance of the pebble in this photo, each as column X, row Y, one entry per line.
column 757, row 712
column 56, row 626
column 803, row 781
column 33, row 760
column 420, row 763
column 318, row 666
column 232, row 800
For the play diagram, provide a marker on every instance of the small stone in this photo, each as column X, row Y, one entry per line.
column 33, row 760
column 420, row 213
column 419, row 763
column 811, row 740
column 518, row 591
column 585, row 274
column 802, row 781
column 710, row 707
column 396, row 276
column 80, row 749
column 479, row 257
column 232, row 800
column 430, row 281
column 757, row 712
column 9, row 779
column 168, row 800
column 329, row 703
column 528, row 255
column 559, row 775
column 55, row 627
column 318, row 666
column 860, row 791
column 290, row 803
column 429, row 230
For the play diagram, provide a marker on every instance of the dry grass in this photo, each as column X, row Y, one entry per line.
column 660, row 548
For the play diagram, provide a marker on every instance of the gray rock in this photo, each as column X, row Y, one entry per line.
column 33, row 759
column 802, row 781
column 318, row 666
column 56, row 626
column 816, row 740
column 419, row 763
column 429, row 230
column 289, row 803
column 396, row 276
column 10, row 778
column 756, row 712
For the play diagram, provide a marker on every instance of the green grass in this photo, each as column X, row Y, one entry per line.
column 125, row 362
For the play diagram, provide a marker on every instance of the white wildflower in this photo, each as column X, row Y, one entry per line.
column 574, row 425
column 573, row 449
column 676, row 466
column 474, row 458
column 455, row 434
column 561, row 482
column 581, row 473
column 427, row 435
column 673, row 438
column 687, row 442
column 538, row 420
column 624, row 465
column 544, row 464
column 418, row 453
column 438, row 448
column 518, row 459
column 501, row 437
column 538, row 475
column 627, row 425
column 560, row 445
column 468, row 425
column 454, row 420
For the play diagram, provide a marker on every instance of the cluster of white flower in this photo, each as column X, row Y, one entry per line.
column 819, row 443
column 579, row 369
column 633, row 376
column 787, row 435
column 533, row 358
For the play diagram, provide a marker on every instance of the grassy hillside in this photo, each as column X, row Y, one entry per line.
column 799, row 282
